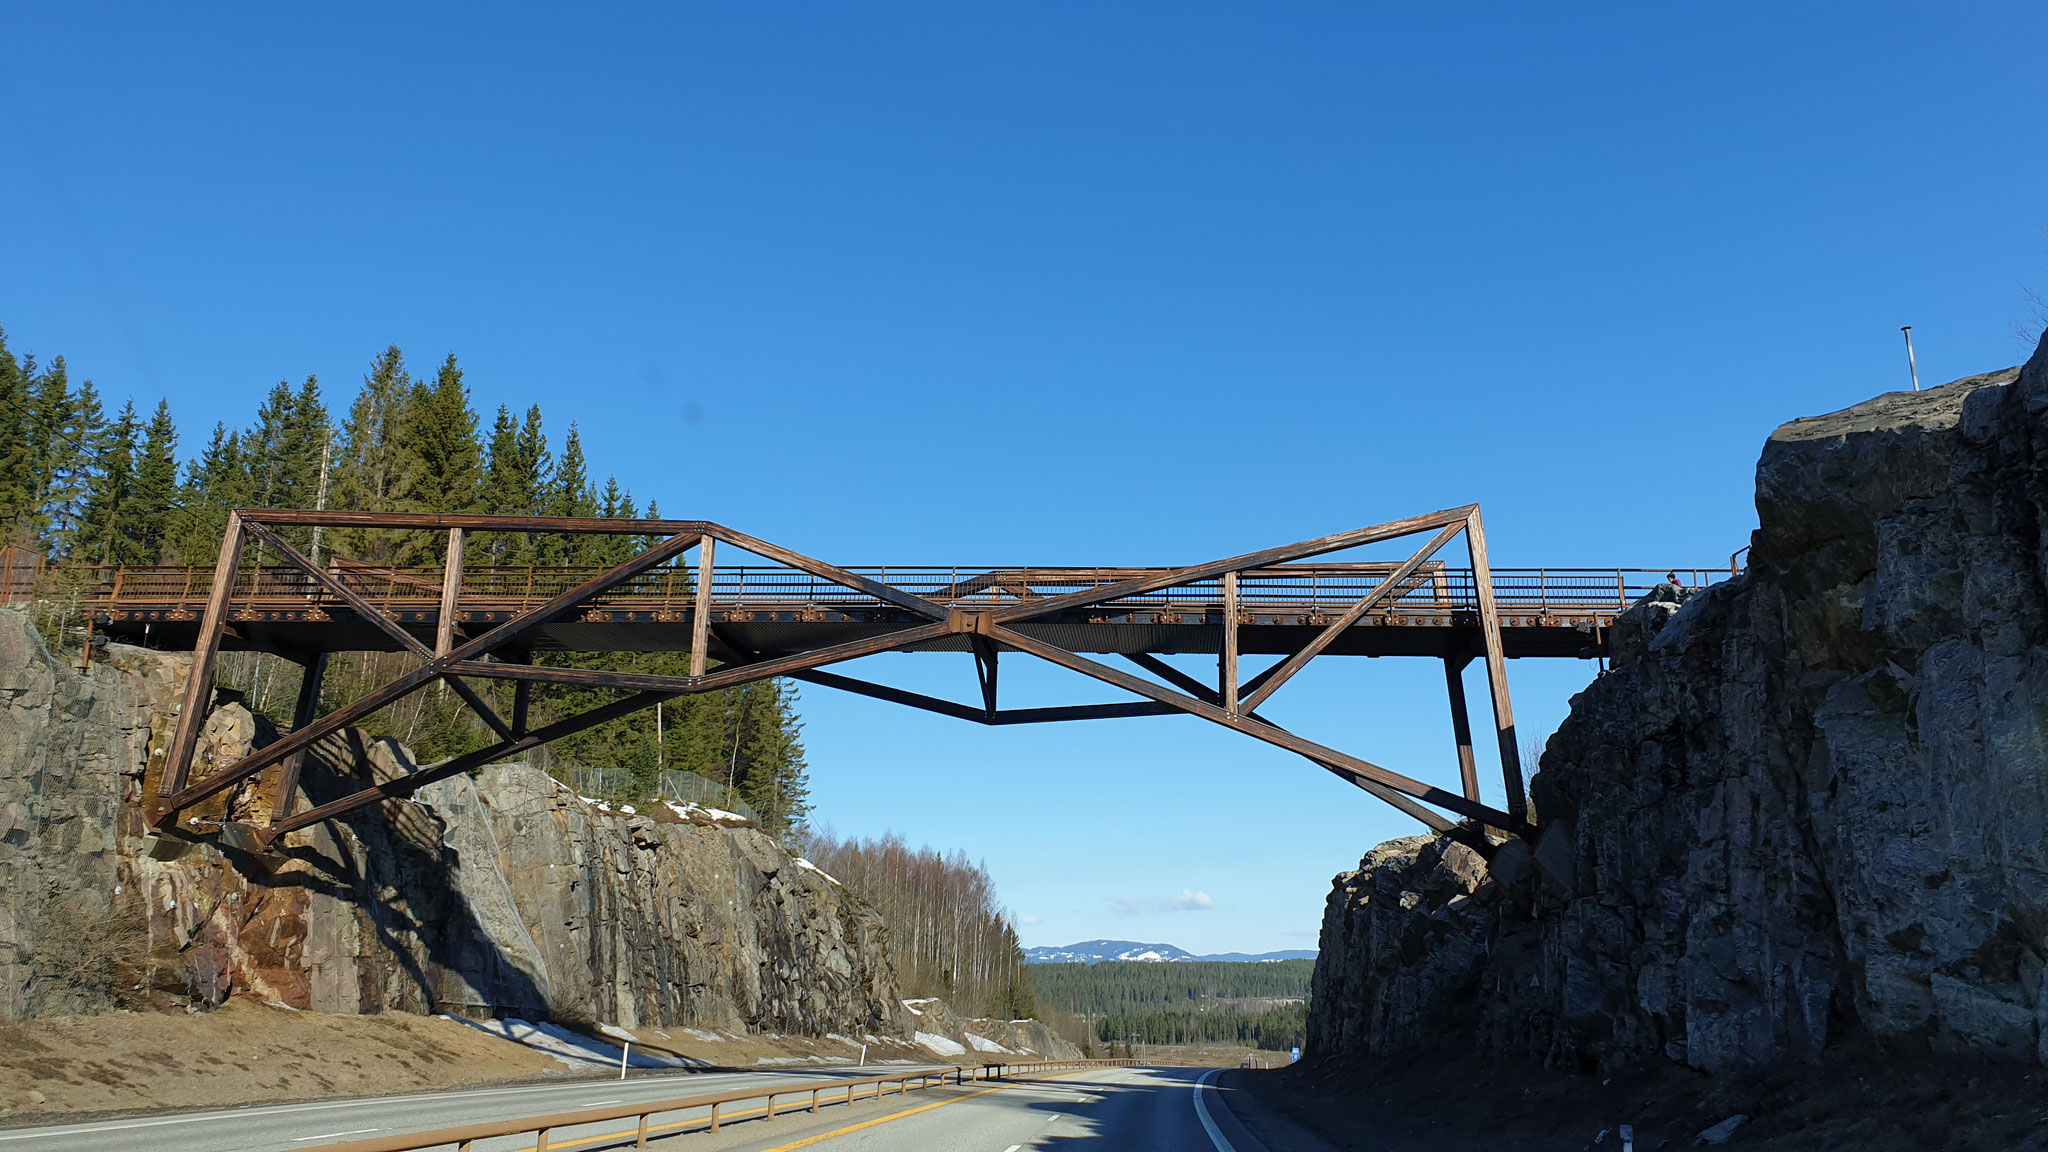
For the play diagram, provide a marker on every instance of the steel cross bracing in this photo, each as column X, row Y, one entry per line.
column 468, row 626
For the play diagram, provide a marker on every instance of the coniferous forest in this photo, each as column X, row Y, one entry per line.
column 1260, row 1005
column 87, row 483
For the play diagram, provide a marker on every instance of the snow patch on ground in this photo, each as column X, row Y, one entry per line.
column 707, row 1037
column 913, row 1005
column 803, row 863
column 984, row 1044
column 700, row 812
column 943, row 1045
column 571, row 1048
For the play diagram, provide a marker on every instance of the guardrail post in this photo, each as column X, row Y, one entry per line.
column 641, row 1140
column 540, row 1143
column 714, row 1117
column 771, row 1107
column 814, row 1101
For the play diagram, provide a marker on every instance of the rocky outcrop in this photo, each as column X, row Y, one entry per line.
column 498, row 895
column 1805, row 804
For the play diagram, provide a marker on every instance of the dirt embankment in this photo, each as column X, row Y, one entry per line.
column 242, row 1053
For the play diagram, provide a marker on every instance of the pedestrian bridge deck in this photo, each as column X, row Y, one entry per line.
column 1553, row 612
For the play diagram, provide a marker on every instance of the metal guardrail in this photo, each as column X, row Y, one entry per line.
column 847, row 1092
column 1289, row 587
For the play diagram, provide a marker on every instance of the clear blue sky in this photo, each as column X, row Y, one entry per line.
column 1064, row 283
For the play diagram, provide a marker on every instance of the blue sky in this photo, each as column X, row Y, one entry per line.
column 1064, row 283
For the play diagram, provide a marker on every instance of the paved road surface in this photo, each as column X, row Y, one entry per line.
column 1112, row 1109
column 290, row 1126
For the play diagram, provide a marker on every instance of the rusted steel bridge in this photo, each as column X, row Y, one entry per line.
column 781, row 613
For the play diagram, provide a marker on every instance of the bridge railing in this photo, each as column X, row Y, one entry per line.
column 1303, row 587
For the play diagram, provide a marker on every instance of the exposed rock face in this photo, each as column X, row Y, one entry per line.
column 502, row 895
column 1810, row 801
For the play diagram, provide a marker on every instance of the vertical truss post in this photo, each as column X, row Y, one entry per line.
column 1496, row 669
column 985, row 669
column 1227, row 660
column 522, row 698
column 1461, row 724
column 451, row 592
column 205, row 653
column 303, row 713
column 700, row 617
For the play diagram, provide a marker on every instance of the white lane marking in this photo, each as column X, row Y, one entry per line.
column 1013, row 1148
column 332, row 1135
column 595, row 1103
column 1202, row 1113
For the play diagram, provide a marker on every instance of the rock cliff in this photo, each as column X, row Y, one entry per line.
column 502, row 895
column 1804, row 805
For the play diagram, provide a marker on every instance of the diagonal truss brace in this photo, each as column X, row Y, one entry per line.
column 986, row 632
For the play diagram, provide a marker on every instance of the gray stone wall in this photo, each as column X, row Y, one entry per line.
column 1805, row 804
column 502, row 895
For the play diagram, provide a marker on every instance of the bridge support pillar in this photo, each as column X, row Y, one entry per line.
column 1461, row 723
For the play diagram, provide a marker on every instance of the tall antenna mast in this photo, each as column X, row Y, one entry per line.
column 1910, row 366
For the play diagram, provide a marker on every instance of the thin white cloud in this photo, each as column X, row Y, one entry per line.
column 1189, row 900
column 1030, row 921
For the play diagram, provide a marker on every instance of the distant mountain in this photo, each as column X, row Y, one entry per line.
column 1096, row 951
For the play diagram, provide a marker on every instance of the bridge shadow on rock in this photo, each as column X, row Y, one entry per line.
column 390, row 921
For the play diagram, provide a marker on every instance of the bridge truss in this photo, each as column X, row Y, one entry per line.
column 801, row 615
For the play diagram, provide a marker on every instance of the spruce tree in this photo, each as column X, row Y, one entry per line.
column 17, row 476
column 214, row 483
column 447, row 473
column 370, row 469
column 98, row 538
column 144, row 527
column 570, row 494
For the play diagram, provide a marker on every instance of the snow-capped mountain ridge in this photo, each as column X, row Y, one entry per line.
column 1097, row 951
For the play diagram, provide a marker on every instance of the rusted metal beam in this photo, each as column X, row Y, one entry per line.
column 1226, row 670
column 1203, row 692
column 451, row 594
column 440, row 521
column 376, row 616
column 1461, row 726
column 1270, row 734
column 836, row 575
column 407, row 784
column 303, row 711
column 1392, row 530
column 700, row 613
column 1329, row 635
column 205, row 654
column 985, row 669
column 893, row 695
column 1496, row 668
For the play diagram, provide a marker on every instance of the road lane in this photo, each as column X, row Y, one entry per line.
column 269, row 1128
column 1111, row 1110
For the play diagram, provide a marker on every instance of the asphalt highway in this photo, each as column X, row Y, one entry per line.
column 1120, row 1109
column 267, row 1128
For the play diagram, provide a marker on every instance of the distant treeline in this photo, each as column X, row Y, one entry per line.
column 88, row 488
column 1136, row 986
column 1182, row 1003
column 949, row 937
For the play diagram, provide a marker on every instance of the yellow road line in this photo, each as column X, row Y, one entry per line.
column 824, row 1136
column 728, row 1117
